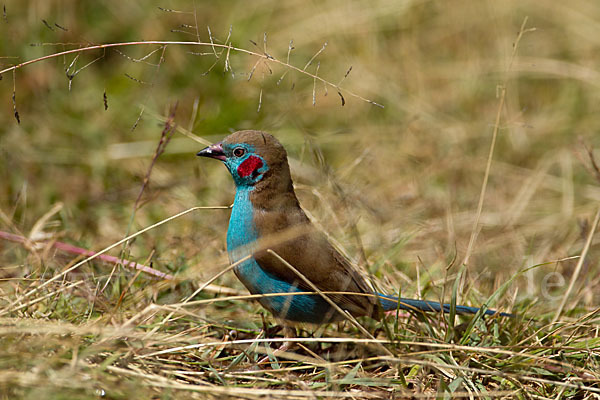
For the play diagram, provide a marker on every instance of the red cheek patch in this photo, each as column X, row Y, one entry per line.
column 249, row 166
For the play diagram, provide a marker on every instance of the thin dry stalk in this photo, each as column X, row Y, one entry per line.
column 488, row 166
column 575, row 275
column 228, row 47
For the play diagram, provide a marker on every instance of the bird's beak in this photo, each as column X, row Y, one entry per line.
column 214, row 151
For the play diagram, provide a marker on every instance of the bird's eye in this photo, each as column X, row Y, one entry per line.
column 239, row 151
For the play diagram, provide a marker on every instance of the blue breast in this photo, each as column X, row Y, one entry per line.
column 241, row 241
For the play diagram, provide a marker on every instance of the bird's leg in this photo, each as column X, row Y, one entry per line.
column 399, row 314
column 288, row 333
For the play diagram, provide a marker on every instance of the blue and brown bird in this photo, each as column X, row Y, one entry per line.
column 281, row 250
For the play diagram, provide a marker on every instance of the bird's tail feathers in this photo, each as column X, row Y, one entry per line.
column 391, row 303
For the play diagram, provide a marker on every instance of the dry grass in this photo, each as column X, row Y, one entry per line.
column 483, row 152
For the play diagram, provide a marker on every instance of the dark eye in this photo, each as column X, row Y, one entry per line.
column 239, row 151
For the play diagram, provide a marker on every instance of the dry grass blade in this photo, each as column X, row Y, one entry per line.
column 577, row 270
column 488, row 166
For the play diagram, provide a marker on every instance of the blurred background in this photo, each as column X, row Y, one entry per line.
column 397, row 187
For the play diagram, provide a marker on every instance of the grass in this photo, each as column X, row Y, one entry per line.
column 475, row 183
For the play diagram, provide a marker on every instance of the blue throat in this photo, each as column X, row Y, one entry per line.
column 241, row 241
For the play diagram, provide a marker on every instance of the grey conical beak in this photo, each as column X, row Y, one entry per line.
column 214, row 151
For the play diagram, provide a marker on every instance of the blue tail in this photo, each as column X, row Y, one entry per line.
column 391, row 303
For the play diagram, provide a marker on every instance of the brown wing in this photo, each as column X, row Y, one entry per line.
column 293, row 237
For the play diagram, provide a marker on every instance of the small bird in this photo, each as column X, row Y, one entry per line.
column 267, row 225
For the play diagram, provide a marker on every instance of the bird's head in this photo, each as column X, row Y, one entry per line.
column 252, row 157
